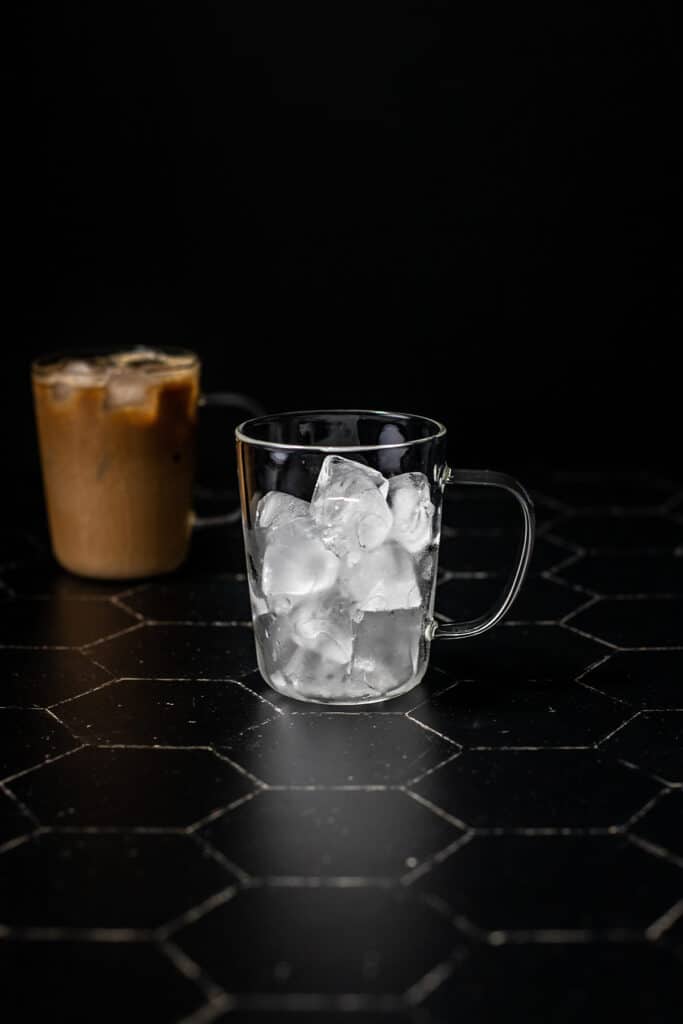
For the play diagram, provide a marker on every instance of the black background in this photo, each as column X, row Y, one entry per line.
column 453, row 210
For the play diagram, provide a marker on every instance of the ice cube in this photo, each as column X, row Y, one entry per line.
column 387, row 649
column 323, row 624
column 277, row 509
column 383, row 580
column 125, row 389
column 413, row 511
column 78, row 368
column 349, row 507
column 314, row 676
column 296, row 564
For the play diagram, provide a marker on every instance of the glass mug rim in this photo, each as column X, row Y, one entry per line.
column 242, row 434
column 44, row 364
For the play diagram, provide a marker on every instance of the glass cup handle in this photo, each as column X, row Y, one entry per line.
column 229, row 400
column 488, row 478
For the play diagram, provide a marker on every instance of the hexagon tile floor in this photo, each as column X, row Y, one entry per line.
column 177, row 843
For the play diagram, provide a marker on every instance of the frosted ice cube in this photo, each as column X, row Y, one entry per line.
column 78, row 368
column 313, row 675
column 349, row 507
column 413, row 511
column 296, row 564
column 323, row 624
column 126, row 388
column 277, row 509
column 383, row 580
column 387, row 649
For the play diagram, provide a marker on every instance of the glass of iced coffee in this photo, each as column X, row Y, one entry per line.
column 117, row 433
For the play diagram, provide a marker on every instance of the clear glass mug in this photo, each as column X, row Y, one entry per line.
column 341, row 514
column 117, row 432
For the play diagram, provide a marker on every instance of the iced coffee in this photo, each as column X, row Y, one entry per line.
column 117, row 437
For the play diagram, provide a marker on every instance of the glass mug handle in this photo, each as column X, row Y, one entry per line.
column 227, row 400
column 488, row 478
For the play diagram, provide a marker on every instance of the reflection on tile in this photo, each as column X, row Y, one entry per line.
column 541, row 600
column 563, row 983
column 621, row 533
column 608, row 490
column 319, row 940
column 105, row 881
column 28, row 738
column 46, row 579
column 496, row 713
column 513, row 883
column 655, row 622
column 178, row 651
column 537, row 789
column 166, row 713
column 654, row 742
column 663, row 824
column 60, row 622
column 71, row 981
column 331, row 749
column 13, row 822
column 42, row 678
column 514, row 654
column 644, row 679
column 178, row 600
column 167, row 788
column 320, row 834
column 496, row 553
column 627, row 574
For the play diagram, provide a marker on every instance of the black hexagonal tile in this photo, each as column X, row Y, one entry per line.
column 331, row 749
column 48, row 580
column 663, row 824
column 527, row 883
column 653, row 741
column 513, row 654
column 621, row 533
column 320, row 834
column 37, row 678
column 494, row 713
column 13, row 821
column 537, row 789
column 29, row 737
column 105, row 881
column 608, row 490
column 60, row 622
column 16, row 546
column 178, row 600
column 154, row 788
column 291, row 1015
column 644, row 679
column 166, row 712
column 540, row 600
column 563, row 983
column 179, row 651
column 627, row 574
column 637, row 622
column 215, row 549
column 71, row 981
column 479, row 508
column 464, row 551
column 322, row 940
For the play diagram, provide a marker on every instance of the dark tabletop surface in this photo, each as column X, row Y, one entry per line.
column 179, row 843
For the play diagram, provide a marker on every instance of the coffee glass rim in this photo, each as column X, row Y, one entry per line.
column 241, row 431
column 44, row 364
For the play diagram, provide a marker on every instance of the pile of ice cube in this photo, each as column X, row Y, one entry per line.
column 125, row 375
column 340, row 586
